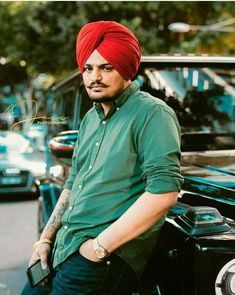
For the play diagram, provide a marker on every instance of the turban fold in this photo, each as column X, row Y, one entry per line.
column 114, row 42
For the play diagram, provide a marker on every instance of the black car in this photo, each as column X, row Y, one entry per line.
column 196, row 250
column 20, row 166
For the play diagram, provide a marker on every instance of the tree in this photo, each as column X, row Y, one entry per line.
column 24, row 94
column 40, row 37
column 44, row 33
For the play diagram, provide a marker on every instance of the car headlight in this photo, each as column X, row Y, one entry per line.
column 56, row 170
column 225, row 281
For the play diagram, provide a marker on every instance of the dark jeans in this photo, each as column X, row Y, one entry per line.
column 80, row 276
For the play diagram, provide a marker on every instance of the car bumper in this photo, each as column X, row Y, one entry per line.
column 26, row 187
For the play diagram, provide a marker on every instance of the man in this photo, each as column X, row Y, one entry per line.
column 124, row 178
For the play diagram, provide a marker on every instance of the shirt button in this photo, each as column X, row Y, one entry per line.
column 97, row 143
column 70, row 208
column 103, row 122
column 80, row 186
column 118, row 109
column 90, row 167
column 66, row 227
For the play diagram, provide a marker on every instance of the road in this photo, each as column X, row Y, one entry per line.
column 18, row 224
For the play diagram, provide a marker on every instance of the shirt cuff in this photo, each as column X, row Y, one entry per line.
column 166, row 185
column 68, row 184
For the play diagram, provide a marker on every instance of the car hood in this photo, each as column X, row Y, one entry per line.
column 24, row 162
column 210, row 176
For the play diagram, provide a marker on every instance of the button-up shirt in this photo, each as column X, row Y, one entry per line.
column 134, row 148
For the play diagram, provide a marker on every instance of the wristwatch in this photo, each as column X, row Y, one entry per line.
column 99, row 251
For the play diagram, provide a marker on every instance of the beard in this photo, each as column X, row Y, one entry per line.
column 102, row 99
column 105, row 97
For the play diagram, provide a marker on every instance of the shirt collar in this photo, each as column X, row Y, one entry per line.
column 118, row 102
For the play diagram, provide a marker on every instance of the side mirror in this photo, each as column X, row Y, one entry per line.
column 62, row 146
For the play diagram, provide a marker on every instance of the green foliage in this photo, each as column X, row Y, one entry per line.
column 11, row 74
column 44, row 33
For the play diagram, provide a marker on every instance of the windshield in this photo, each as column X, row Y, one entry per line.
column 202, row 97
column 11, row 142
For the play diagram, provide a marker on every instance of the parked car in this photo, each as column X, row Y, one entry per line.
column 196, row 250
column 37, row 134
column 20, row 165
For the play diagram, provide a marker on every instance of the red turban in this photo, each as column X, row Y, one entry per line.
column 114, row 42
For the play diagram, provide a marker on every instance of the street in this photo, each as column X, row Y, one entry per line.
column 18, row 232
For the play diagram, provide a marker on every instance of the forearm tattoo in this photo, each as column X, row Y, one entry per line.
column 55, row 219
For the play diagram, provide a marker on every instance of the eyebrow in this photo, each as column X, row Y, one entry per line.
column 99, row 66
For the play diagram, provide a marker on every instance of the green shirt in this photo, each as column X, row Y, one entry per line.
column 117, row 157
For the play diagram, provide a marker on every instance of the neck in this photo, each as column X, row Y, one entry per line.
column 106, row 107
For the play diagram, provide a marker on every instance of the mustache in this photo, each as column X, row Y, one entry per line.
column 95, row 84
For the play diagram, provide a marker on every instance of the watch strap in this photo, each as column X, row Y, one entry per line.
column 97, row 245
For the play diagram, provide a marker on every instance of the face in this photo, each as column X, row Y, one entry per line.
column 103, row 83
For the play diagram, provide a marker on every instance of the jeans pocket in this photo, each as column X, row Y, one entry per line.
column 95, row 263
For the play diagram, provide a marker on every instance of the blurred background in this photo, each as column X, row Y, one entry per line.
column 37, row 44
column 37, row 49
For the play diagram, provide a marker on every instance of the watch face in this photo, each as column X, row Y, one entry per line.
column 100, row 252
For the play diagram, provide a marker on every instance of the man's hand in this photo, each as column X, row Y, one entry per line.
column 43, row 249
column 42, row 252
column 86, row 250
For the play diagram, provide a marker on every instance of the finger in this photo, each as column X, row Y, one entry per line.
column 44, row 282
column 44, row 261
column 33, row 259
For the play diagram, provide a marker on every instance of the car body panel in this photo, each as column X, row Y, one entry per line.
column 20, row 165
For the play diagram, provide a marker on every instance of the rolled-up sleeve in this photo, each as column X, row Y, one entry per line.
column 159, row 151
column 73, row 169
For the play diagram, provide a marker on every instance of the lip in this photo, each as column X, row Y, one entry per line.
column 97, row 87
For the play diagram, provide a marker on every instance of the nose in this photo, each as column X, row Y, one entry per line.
column 96, row 75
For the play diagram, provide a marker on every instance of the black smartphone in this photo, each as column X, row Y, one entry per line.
column 36, row 274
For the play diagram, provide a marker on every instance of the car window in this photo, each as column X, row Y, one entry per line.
column 203, row 98
column 63, row 111
column 85, row 103
column 13, row 142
